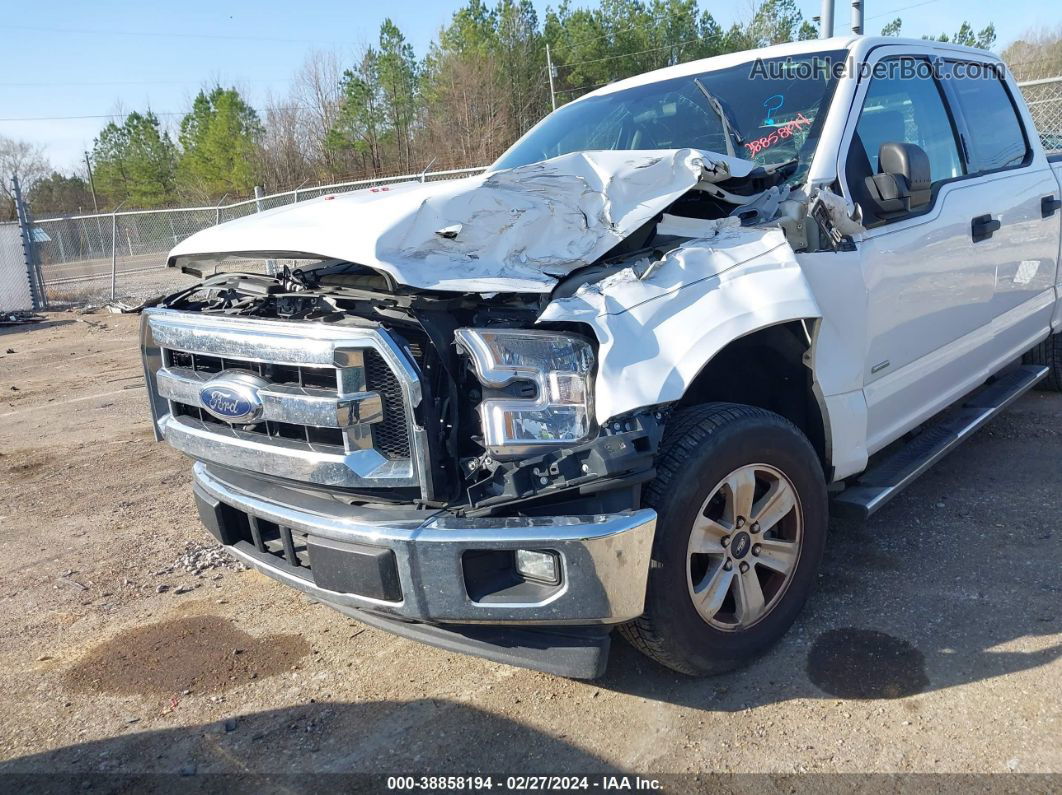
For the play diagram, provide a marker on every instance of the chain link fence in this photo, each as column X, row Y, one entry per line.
column 1044, row 97
column 122, row 256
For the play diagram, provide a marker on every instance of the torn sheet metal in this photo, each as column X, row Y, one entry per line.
column 511, row 230
column 836, row 209
column 763, row 207
column 658, row 328
column 722, row 245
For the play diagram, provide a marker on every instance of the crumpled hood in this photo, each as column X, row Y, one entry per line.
column 515, row 230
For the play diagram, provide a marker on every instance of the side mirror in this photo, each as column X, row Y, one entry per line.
column 903, row 182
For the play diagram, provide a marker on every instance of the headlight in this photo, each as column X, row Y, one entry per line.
column 558, row 365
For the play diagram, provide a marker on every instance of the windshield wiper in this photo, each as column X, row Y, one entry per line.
column 729, row 131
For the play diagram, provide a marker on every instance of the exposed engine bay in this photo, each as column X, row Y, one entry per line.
column 467, row 477
column 636, row 237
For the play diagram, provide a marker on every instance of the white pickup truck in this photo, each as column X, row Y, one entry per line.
column 619, row 379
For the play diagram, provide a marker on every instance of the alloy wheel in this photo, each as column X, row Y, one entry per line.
column 744, row 547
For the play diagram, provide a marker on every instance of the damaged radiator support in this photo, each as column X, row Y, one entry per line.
column 621, row 456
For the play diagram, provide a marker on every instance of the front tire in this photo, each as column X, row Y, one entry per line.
column 742, row 515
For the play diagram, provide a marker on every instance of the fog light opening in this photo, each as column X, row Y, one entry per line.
column 539, row 566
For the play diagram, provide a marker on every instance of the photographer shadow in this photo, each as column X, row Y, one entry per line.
column 342, row 746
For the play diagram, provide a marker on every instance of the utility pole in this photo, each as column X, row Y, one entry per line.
column 95, row 204
column 857, row 17
column 551, row 71
column 92, row 185
column 114, row 249
column 826, row 20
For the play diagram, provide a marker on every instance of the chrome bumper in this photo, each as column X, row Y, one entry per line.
column 604, row 559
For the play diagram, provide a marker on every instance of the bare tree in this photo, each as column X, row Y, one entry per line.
column 467, row 117
column 24, row 160
column 316, row 93
column 1035, row 54
column 284, row 154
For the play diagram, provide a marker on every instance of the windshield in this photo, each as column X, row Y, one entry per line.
column 766, row 114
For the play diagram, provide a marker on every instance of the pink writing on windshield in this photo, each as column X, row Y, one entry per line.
column 782, row 133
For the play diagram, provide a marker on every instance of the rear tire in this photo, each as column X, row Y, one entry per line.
column 1048, row 353
column 724, row 587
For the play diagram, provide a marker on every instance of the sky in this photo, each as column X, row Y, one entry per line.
column 90, row 59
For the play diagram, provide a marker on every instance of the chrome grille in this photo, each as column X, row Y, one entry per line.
column 391, row 435
column 322, row 378
column 334, row 403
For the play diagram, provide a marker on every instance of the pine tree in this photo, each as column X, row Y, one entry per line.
column 219, row 141
column 136, row 162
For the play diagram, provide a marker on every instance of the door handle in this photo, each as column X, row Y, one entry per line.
column 1048, row 205
column 982, row 227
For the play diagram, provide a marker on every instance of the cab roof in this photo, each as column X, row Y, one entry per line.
column 859, row 46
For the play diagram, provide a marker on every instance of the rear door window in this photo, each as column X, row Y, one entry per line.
column 996, row 137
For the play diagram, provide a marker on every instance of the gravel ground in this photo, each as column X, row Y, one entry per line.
column 129, row 644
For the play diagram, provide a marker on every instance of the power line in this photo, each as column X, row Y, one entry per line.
column 73, row 118
column 50, row 83
column 580, row 88
column 631, row 54
column 628, row 55
column 153, row 112
column 168, row 34
column 902, row 8
column 614, row 32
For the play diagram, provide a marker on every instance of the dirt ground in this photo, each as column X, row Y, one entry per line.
column 932, row 644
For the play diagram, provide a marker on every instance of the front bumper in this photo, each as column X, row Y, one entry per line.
column 422, row 557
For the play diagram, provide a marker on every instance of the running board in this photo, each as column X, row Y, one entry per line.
column 889, row 477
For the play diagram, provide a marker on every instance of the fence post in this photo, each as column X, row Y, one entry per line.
column 296, row 201
column 114, row 251
column 114, row 254
column 29, row 249
column 217, row 210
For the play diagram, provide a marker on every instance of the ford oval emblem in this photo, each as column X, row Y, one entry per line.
column 233, row 396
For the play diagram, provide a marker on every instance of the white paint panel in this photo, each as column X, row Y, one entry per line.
column 940, row 378
column 657, row 333
column 846, row 428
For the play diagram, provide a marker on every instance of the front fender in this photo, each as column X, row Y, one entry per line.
column 656, row 332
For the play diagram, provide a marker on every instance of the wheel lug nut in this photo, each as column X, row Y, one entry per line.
column 740, row 522
column 728, row 565
column 756, row 548
column 724, row 542
column 744, row 567
column 755, row 527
